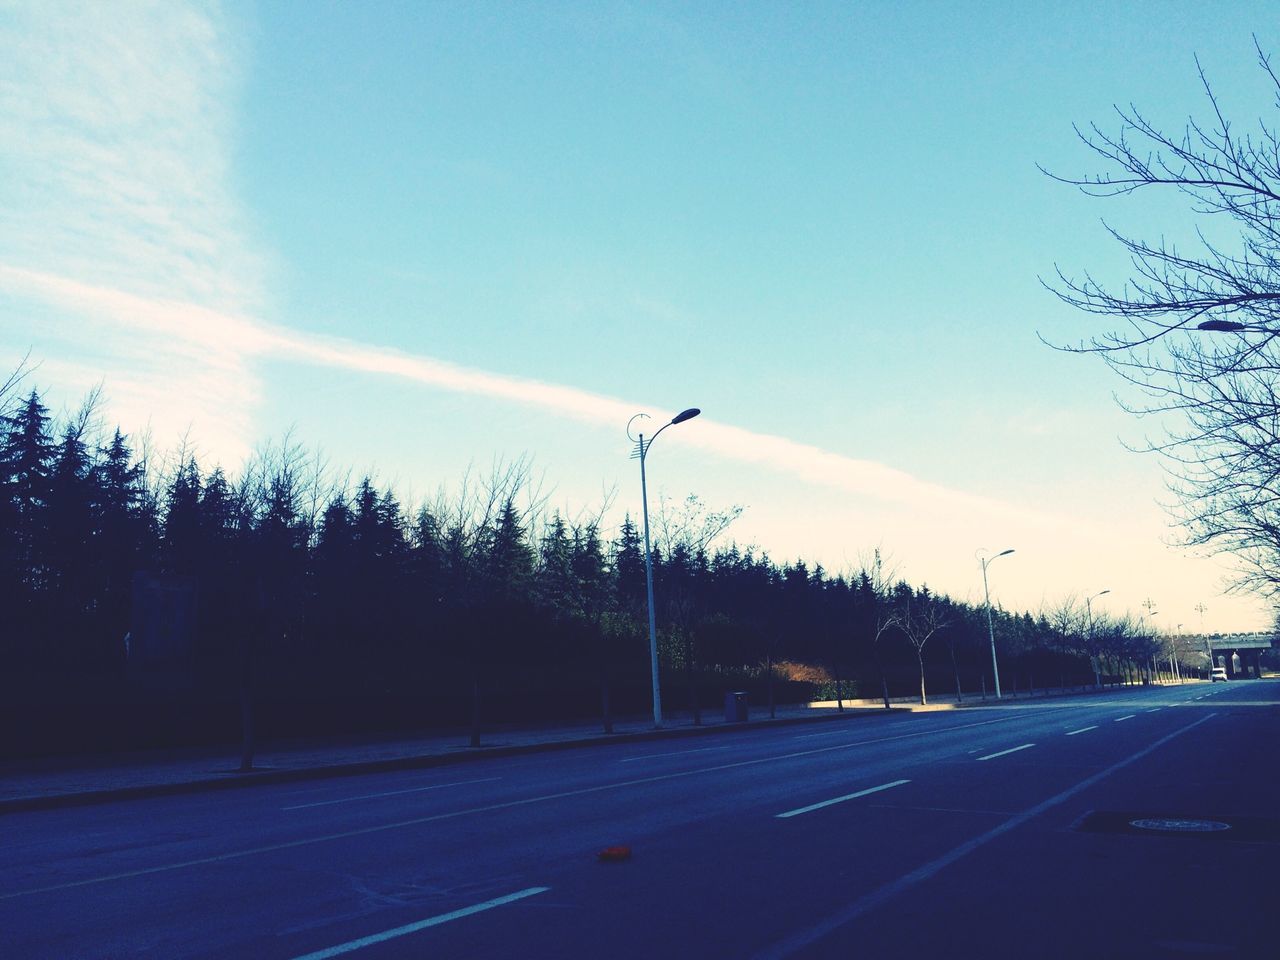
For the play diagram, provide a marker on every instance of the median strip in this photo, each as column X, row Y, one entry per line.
column 847, row 796
column 420, row 925
column 1002, row 753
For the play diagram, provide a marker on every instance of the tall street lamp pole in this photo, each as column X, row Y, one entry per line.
column 641, row 453
column 1088, row 607
column 1200, row 608
column 991, row 630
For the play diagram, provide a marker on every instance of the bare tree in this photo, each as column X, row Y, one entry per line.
column 918, row 618
column 9, row 385
column 874, row 581
column 1198, row 324
column 1074, row 630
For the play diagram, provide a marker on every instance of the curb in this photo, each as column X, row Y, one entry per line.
column 235, row 780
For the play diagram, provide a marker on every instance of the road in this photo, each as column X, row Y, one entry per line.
column 1001, row 831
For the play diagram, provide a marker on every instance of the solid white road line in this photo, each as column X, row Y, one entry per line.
column 805, row 938
column 847, row 796
column 992, row 756
column 487, row 808
column 389, row 793
column 1082, row 730
column 420, row 925
column 1129, row 717
column 675, row 753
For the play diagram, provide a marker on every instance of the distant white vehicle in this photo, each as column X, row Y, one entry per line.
column 1219, row 673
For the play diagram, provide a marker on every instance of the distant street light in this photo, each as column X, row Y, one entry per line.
column 1200, row 608
column 641, row 452
column 1088, row 606
column 991, row 630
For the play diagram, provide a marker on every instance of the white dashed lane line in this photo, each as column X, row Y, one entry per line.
column 1129, row 717
column 350, row 945
column 1082, row 730
column 835, row 800
column 992, row 756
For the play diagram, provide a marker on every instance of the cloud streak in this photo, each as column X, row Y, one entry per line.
column 116, row 125
column 226, row 344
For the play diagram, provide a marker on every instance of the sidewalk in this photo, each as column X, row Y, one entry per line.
column 69, row 781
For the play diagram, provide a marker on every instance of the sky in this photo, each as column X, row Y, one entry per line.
column 426, row 237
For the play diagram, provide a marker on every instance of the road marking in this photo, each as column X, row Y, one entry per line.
column 1082, row 730
column 882, row 894
column 904, row 806
column 488, row 808
column 848, row 796
column 420, row 925
column 992, row 756
column 677, row 753
column 1154, row 711
column 1129, row 717
column 389, row 793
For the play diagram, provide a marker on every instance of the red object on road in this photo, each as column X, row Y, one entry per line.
column 614, row 854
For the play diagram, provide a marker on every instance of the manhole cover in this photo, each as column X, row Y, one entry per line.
column 1159, row 824
column 1168, row 825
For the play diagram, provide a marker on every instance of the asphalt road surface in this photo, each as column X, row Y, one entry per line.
column 994, row 832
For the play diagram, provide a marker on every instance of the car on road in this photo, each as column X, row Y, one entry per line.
column 1219, row 673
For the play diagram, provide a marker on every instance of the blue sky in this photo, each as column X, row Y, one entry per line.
column 429, row 235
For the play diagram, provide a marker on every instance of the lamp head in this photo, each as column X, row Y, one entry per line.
column 684, row 415
column 1220, row 326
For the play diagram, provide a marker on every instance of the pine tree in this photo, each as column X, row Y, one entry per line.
column 26, row 467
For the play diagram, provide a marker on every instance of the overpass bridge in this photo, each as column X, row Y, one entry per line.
column 1239, row 653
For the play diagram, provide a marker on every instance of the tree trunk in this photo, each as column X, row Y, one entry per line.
column 835, row 667
column 955, row 669
column 923, row 699
column 475, row 710
column 768, row 669
column 606, row 713
column 884, row 684
column 691, row 679
column 247, row 741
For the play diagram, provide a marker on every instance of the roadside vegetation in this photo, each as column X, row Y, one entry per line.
column 149, row 599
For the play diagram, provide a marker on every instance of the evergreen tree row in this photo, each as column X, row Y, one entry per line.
column 147, row 603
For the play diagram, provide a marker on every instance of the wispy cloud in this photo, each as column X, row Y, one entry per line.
column 225, row 345
column 116, row 127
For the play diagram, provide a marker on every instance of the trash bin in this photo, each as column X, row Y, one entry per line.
column 735, row 706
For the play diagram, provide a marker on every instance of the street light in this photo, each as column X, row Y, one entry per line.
column 641, row 452
column 1200, row 608
column 991, row 630
column 1088, row 606
column 1232, row 326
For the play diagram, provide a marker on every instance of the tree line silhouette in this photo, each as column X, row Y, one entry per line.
column 151, row 601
